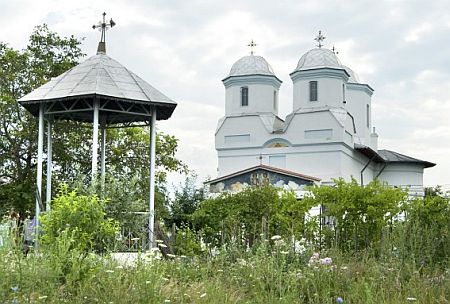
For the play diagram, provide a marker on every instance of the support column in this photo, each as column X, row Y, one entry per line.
column 48, row 191
column 39, row 169
column 103, row 153
column 95, row 140
column 151, row 220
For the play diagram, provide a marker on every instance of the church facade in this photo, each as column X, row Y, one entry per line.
column 328, row 134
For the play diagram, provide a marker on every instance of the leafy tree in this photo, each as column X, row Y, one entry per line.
column 356, row 215
column 186, row 202
column 48, row 55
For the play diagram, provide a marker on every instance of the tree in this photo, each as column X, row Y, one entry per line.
column 356, row 214
column 48, row 55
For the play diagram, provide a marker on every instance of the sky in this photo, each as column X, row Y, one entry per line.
column 185, row 48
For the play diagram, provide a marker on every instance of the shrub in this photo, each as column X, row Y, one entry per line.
column 80, row 216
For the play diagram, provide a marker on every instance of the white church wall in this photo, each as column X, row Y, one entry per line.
column 314, row 127
column 357, row 101
column 260, row 99
column 405, row 176
column 329, row 92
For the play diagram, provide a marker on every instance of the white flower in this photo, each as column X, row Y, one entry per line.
column 411, row 299
column 42, row 297
column 166, row 301
column 326, row 261
column 159, row 241
column 203, row 295
column 275, row 238
column 162, row 245
column 109, row 271
column 171, row 255
column 284, row 252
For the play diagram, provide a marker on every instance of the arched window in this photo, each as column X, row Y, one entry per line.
column 244, row 96
column 313, row 91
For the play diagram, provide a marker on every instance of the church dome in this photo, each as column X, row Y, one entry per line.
column 251, row 65
column 354, row 78
column 318, row 58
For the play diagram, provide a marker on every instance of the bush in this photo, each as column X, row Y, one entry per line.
column 80, row 216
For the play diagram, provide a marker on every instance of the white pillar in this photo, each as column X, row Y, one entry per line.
column 103, row 153
column 151, row 220
column 48, row 191
column 39, row 168
column 95, row 141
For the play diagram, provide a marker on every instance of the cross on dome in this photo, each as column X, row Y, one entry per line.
column 252, row 44
column 103, row 26
column 334, row 50
column 320, row 38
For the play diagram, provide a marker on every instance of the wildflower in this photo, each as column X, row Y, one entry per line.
column 275, row 238
column 284, row 252
column 162, row 245
column 411, row 299
column 42, row 297
column 15, row 288
column 326, row 261
column 314, row 258
column 109, row 271
column 171, row 255
column 203, row 295
column 147, row 282
column 339, row 300
column 165, row 279
column 167, row 301
column 159, row 241
column 219, row 270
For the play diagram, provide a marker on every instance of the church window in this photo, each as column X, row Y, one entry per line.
column 367, row 116
column 275, row 100
column 313, row 91
column 244, row 96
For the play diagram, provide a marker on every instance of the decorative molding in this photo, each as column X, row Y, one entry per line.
column 252, row 79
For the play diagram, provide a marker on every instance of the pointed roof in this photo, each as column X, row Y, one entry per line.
column 266, row 168
column 103, row 78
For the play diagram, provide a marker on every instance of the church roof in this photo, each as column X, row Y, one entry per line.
column 251, row 65
column 101, row 77
column 388, row 156
column 395, row 157
column 318, row 58
column 267, row 168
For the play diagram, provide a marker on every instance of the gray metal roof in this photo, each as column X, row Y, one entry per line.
column 251, row 65
column 388, row 156
column 103, row 78
column 395, row 157
column 318, row 58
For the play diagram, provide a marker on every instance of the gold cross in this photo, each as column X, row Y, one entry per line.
column 252, row 44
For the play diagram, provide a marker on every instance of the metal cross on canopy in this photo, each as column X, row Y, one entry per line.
column 320, row 38
column 103, row 26
column 252, row 44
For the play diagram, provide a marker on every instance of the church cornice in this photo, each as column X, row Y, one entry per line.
column 361, row 87
column 320, row 72
column 252, row 79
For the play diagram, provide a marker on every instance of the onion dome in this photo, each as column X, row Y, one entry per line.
column 251, row 65
column 318, row 58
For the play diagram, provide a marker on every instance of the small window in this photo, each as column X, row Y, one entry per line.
column 343, row 94
column 244, row 96
column 367, row 116
column 275, row 100
column 313, row 91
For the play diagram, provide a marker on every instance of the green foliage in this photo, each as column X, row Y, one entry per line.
column 81, row 218
column 186, row 202
column 427, row 230
column 255, row 213
column 355, row 215
column 46, row 56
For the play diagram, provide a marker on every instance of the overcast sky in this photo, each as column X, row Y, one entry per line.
column 184, row 48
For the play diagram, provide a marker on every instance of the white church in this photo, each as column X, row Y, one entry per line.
column 327, row 135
